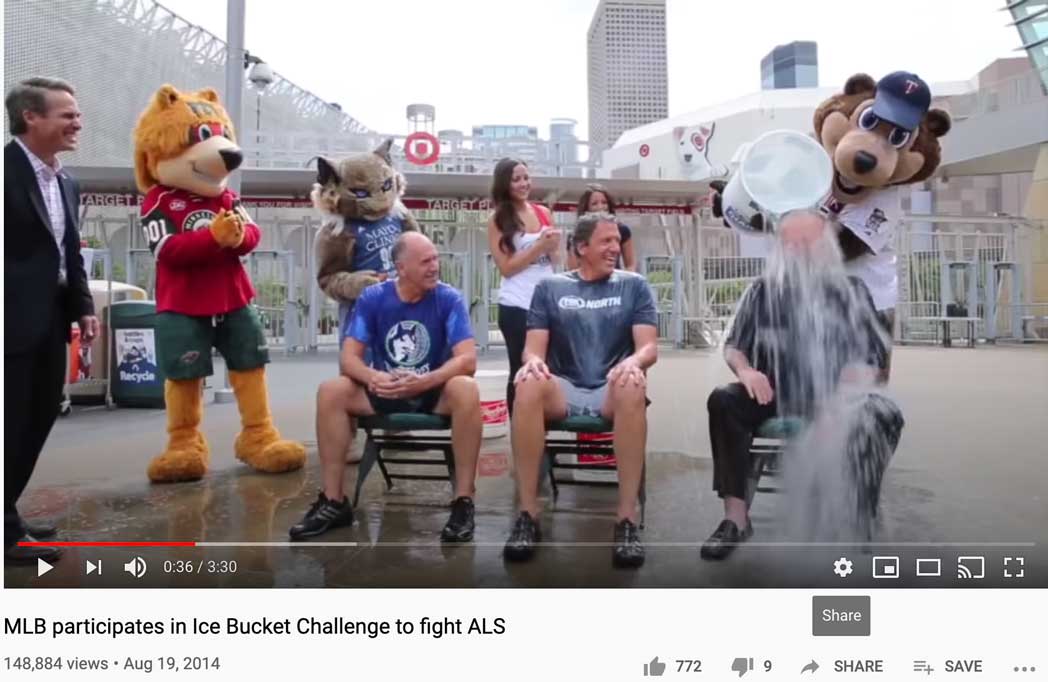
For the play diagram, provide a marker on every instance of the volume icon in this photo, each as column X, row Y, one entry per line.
column 136, row 567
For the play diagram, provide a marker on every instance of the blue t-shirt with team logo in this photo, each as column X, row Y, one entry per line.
column 412, row 336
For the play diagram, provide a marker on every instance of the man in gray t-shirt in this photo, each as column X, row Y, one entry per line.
column 596, row 328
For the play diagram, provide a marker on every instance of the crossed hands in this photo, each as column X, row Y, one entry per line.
column 397, row 385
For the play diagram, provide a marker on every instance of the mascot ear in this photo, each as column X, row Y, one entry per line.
column 167, row 95
column 382, row 151
column 858, row 83
column 326, row 173
column 210, row 94
column 938, row 122
column 678, row 133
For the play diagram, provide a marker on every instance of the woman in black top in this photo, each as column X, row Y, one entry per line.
column 597, row 199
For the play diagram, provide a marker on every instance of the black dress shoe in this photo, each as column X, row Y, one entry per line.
column 724, row 540
column 39, row 529
column 627, row 550
column 24, row 556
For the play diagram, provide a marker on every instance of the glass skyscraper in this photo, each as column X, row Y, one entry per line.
column 794, row 65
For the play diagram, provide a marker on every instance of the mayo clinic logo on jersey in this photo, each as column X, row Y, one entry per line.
column 177, row 205
column 407, row 343
column 579, row 303
column 198, row 220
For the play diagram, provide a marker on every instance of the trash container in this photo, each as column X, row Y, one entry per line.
column 136, row 379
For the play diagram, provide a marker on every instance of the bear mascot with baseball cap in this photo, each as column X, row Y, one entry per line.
column 880, row 136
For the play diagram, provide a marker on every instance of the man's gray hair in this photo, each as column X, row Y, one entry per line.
column 586, row 225
column 398, row 248
column 30, row 95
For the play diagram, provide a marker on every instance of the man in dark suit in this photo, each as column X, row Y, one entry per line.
column 45, row 288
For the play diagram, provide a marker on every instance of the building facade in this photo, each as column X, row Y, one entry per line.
column 794, row 65
column 627, row 76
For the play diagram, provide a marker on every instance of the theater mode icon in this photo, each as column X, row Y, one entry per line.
column 929, row 568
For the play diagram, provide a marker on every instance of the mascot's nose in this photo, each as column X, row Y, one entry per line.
column 865, row 162
column 232, row 158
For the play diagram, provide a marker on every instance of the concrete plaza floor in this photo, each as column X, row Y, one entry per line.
column 970, row 478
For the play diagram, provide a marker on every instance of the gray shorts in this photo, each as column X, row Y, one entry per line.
column 583, row 402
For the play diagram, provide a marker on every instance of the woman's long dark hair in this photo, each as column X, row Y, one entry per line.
column 505, row 212
column 592, row 189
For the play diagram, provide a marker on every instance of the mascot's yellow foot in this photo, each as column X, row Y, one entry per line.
column 262, row 448
column 187, row 455
column 174, row 466
column 259, row 443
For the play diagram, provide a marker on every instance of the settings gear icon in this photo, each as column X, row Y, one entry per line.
column 842, row 567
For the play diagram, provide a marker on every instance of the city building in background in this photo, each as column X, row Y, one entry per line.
column 627, row 76
column 1031, row 20
column 793, row 65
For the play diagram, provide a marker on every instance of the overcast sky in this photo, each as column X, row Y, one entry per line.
column 524, row 61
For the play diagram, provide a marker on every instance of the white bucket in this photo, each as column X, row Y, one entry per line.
column 493, row 408
column 781, row 171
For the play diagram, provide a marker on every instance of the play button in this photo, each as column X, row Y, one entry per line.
column 42, row 567
column 90, row 567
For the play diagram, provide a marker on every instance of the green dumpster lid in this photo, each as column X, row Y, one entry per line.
column 125, row 309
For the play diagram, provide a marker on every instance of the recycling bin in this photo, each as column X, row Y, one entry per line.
column 135, row 376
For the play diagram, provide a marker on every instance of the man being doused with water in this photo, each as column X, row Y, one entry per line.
column 805, row 343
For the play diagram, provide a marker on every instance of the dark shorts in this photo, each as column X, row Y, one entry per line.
column 423, row 403
column 184, row 342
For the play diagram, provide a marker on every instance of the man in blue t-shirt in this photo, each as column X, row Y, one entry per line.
column 596, row 329
column 422, row 360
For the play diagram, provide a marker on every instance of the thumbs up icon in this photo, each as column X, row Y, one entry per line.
column 654, row 669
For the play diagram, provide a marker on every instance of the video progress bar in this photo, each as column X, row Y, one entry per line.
column 307, row 543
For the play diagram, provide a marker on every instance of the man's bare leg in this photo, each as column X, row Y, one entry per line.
column 460, row 399
column 536, row 402
column 624, row 405
column 338, row 400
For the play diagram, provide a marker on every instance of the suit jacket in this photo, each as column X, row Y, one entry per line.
column 31, row 258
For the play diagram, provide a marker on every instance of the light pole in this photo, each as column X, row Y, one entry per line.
column 260, row 75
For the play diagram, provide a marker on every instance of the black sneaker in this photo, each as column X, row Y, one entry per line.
column 322, row 517
column 521, row 543
column 459, row 527
column 628, row 551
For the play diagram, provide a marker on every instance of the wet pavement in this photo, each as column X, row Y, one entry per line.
column 970, row 479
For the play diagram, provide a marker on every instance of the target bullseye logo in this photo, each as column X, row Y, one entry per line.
column 422, row 148
column 644, row 150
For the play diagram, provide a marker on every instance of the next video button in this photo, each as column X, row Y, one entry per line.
column 840, row 616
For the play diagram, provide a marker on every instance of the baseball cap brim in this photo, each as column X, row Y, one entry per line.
column 904, row 114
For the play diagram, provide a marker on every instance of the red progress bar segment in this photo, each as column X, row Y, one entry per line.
column 189, row 543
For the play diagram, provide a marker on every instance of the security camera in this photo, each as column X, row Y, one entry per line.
column 260, row 75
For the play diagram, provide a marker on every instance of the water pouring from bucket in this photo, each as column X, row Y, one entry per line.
column 781, row 171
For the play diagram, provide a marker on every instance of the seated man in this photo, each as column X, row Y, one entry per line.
column 804, row 336
column 424, row 357
column 597, row 328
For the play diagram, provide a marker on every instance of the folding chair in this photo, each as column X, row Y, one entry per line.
column 572, row 446
column 392, row 437
column 766, row 452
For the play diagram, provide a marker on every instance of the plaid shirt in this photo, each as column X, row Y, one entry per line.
column 47, row 179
